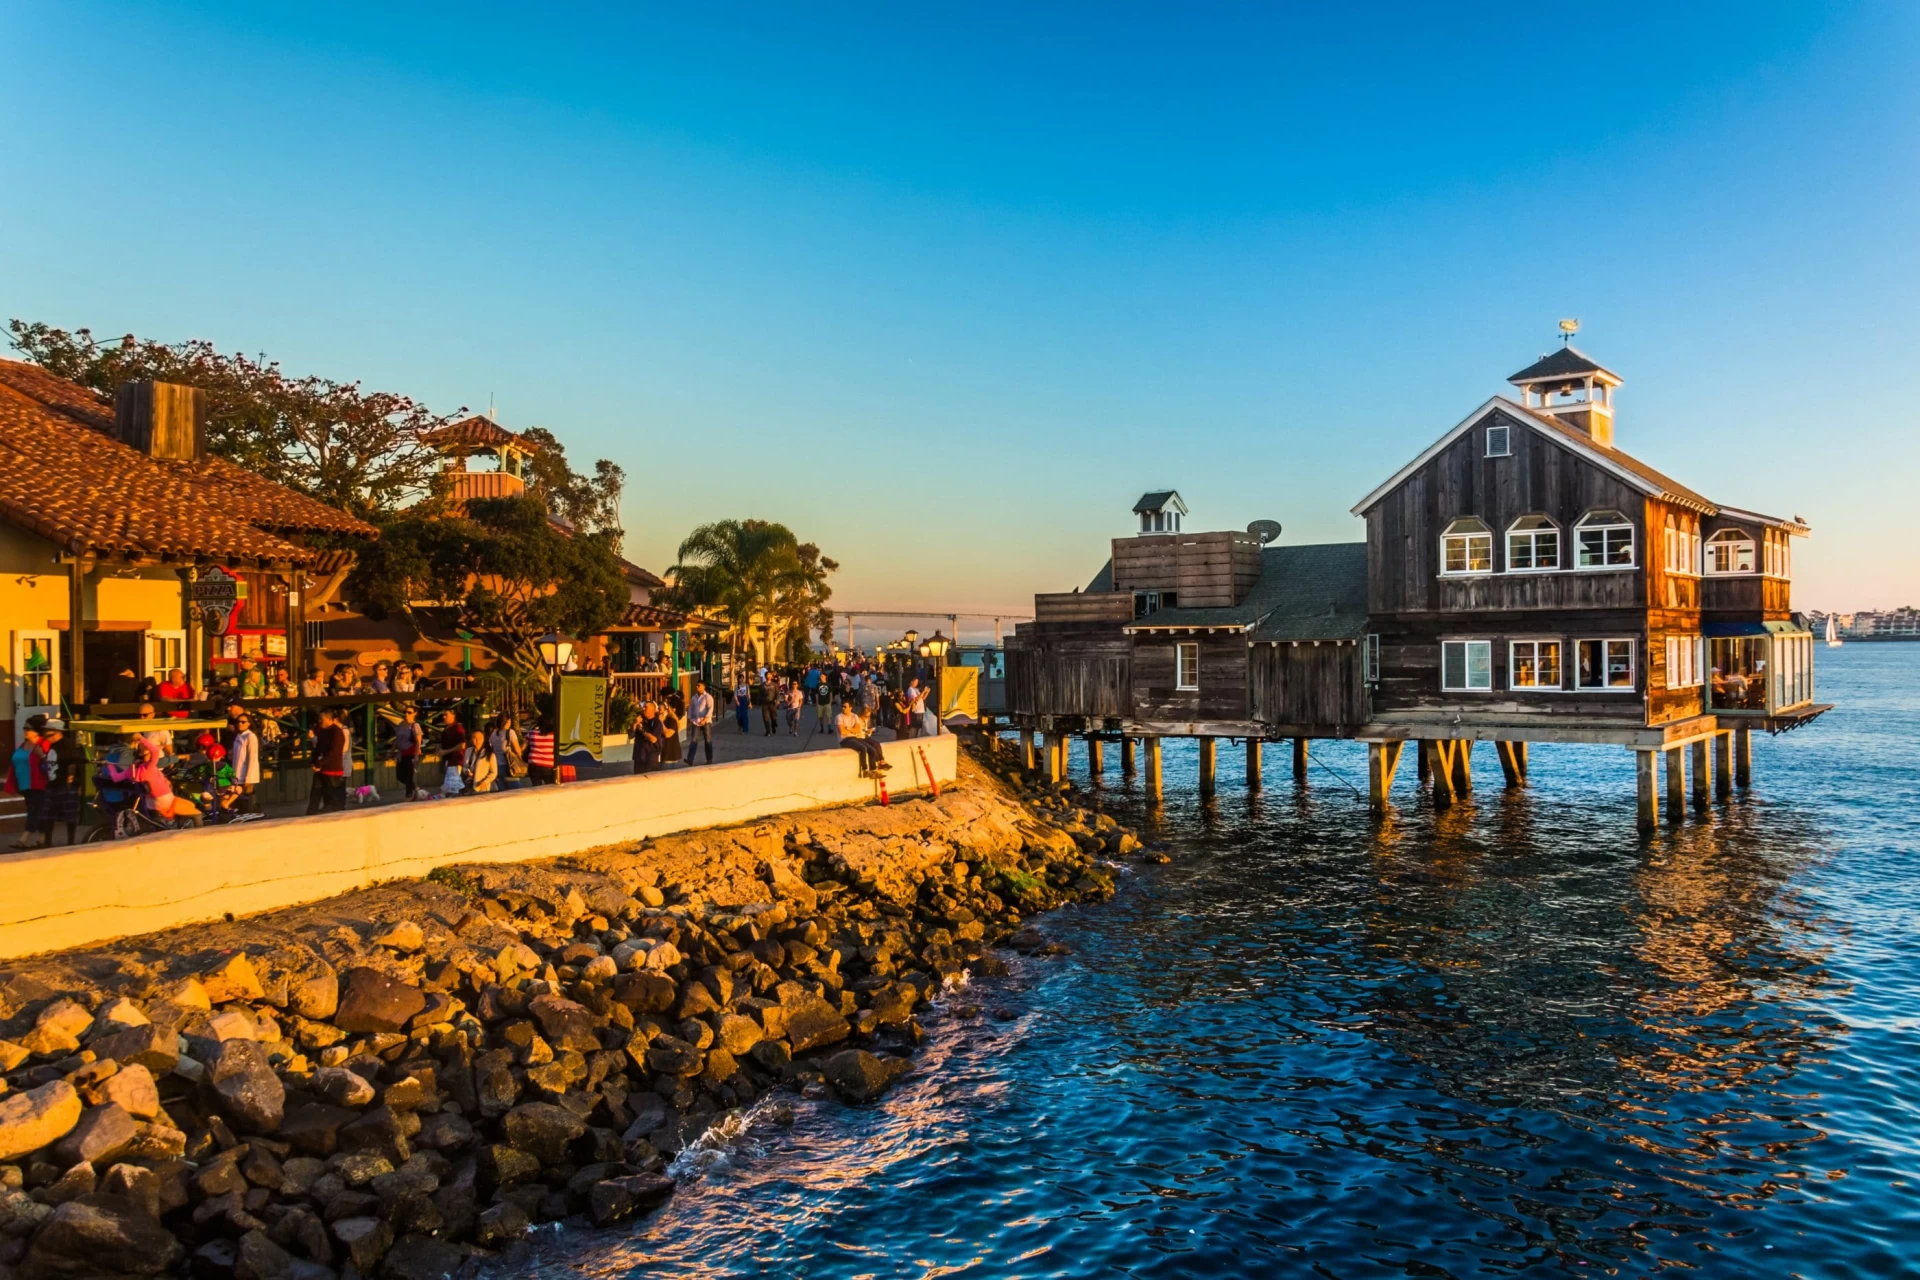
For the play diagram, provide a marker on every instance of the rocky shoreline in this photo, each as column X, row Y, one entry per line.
column 403, row 1081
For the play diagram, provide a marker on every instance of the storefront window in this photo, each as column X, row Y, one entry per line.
column 1737, row 677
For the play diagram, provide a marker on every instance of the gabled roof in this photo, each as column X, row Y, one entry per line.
column 1623, row 465
column 1313, row 592
column 640, row 577
column 1159, row 500
column 1566, row 362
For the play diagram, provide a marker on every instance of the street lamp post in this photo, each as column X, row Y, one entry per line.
column 935, row 649
column 556, row 651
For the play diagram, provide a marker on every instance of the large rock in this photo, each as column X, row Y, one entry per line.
column 543, row 1130
column 315, row 1128
column 240, row 1074
column 315, row 998
column 58, row 1028
column 100, row 1235
column 102, row 1134
column 342, row 1088
column 133, row 1087
column 155, row 1048
column 645, row 992
column 859, row 1076
column 420, row 1257
column 813, row 1022
column 236, row 979
column 372, row 1001
column 737, row 1034
column 366, row 1241
column 672, row 1056
column 619, row 1198
column 37, row 1117
column 787, row 884
column 566, row 1025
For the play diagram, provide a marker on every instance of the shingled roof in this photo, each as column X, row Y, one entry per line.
column 1312, row 592
column 1566, row 362
column 64, row 476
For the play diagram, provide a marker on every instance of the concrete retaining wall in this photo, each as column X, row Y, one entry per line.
column 71, row 896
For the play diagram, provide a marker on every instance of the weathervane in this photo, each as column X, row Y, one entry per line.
column 1567, row 329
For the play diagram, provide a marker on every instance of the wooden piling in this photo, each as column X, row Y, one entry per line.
column 1649, row 794
column 1153, row 767
column 1463, row 767
column 1723, row 766
column 1509, row 764
column 1207, row 755
column 1423, row 761
column 1698, row 752
column 1026, row 749
column 1063, row 743
column 1056, row 759
column 1442, row 750
column 1676, row 785
column 1096, row 759
column 1383, row 759
column 1253, row 764
column 1519, row 752
column 1127, row 765
column 1743, row 757
column 1300, row 761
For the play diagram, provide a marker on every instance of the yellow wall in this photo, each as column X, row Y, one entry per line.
column 71, row 896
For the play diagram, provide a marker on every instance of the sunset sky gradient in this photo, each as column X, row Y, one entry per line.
column 945, row 287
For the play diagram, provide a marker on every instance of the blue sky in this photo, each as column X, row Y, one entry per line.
column 945, row 287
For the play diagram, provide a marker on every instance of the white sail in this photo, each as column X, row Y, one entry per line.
column 1833, row 634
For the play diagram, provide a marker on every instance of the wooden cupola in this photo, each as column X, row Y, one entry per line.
column 1160, row 511
column 1569, row 385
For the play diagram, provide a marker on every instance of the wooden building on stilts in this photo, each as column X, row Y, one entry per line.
column 1523, row 580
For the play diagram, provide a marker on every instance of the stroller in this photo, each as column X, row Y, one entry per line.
column 126, row 802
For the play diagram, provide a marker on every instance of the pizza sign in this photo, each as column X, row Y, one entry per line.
column 218, row 595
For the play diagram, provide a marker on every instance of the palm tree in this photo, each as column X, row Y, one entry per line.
column 738, row 569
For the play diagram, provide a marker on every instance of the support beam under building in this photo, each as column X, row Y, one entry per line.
column 1698, row 753
column 1743, row 758
column 1253, row 764
column 1423, row 762
column 1509, row 764
column 1676, row 784
column 1648, row 793
column 1127, row 765
column 1026, row 749
column 1153, row 767
column 1300, row 761
column 1463, row 767
column 1208, row 754
column 1383, row 759
column 1723, row 766
column 1442, row 751
column 1096, row 759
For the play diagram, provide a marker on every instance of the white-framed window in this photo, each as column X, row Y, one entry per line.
column 1683, row 662
column 1533, row 664
column 1186, row 667
column 1604, row 540
column 36, row 673
column 1533, row 544
column 163, row 651
column 1681, row 544
column 1466, row 665
column 1373, row 658
column 1146, row 603
column 1500, row 442
column 1779, row 556
column 1604, row 665
column 1729, row 551
column 1466, row 547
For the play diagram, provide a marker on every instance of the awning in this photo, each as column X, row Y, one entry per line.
column 1728, row 630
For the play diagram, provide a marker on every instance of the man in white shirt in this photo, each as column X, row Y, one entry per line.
column 853, row 736
column 700, row 721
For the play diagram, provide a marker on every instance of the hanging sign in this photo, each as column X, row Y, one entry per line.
column 219, row 595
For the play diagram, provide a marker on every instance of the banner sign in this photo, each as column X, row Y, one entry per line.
column 581, row 704
column 219, row 595
column 960, row 693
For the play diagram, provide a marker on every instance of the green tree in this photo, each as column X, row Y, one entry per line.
column 354, row 449
column 748, row 570
column 500, row 571
column 589, row 503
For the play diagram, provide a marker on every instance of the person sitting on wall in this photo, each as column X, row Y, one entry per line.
column 857, row 738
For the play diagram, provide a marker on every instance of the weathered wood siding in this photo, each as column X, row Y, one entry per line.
column 1069, row 669
column 1209, row 570
column 1223, row 678
column 1309, row 685
column 1083, row 606
column 1540, row 478
column 1410, row 665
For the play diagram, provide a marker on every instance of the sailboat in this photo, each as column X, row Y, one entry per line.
column 1833, row 634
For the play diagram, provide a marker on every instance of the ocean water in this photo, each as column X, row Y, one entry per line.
column 1508, row 1038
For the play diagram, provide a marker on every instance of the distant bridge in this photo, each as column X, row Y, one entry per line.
column 953, row 619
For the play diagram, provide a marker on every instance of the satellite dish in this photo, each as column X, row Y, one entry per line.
column 1265, row 530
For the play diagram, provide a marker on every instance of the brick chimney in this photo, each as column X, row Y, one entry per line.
column 164, row 420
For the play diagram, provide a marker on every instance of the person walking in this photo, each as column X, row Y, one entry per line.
column 243, row 757
column 542, row 741
column 649, row 738
column 64, row 764
column 700, row 721
column 855, row 736
column 510, row 760
column 453, row 745
column 796, row 699
column 27, row 779
column 330, row 765
column 480, row 766
column 769, row 706
column 409, row 743
column 742, row 704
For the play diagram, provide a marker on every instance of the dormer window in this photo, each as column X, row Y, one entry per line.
column 1730, row 551
column 1533, row 543
column 1160, row 511
column 1466, row 547
column 1604, row 540
column 1500, row 442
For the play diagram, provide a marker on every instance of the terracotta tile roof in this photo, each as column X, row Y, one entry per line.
column 641, row 576
column 474, row 435
column 64, row 477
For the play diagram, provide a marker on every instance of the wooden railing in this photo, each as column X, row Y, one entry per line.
column 640, row 684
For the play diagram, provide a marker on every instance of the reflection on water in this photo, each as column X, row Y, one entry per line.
column 1506, row 1037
